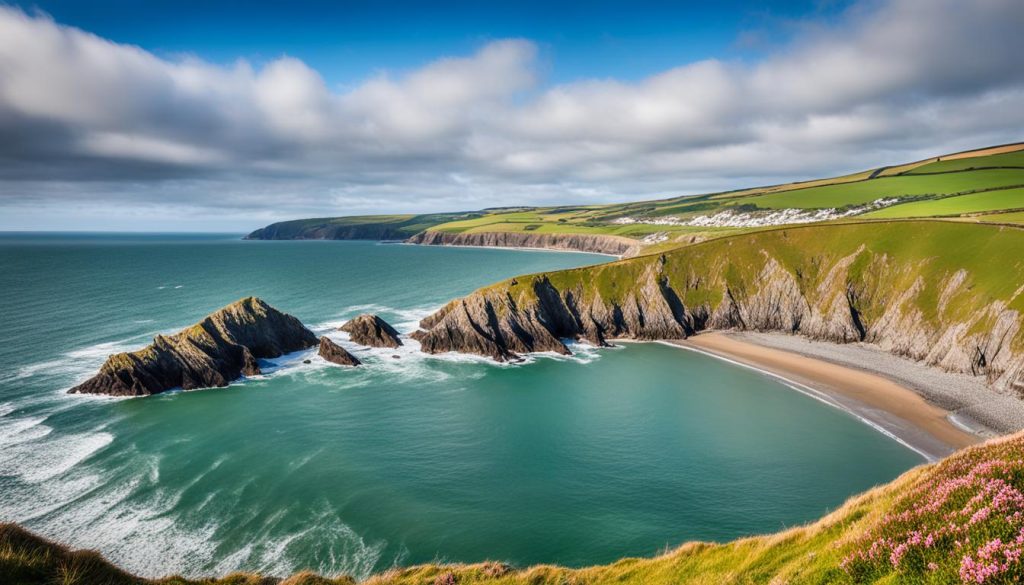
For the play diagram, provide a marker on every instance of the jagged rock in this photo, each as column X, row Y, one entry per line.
column 833, row 284
column 373, row 331
column 596, row 243
column 336, row 354
column 222, row 347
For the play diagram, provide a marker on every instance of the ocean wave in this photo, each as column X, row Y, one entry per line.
column 404, row 320
column 324, row 544
column 39, row 461
column 75, row 364
column 21, row 430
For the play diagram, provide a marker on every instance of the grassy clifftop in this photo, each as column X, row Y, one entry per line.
column 949, row 294
column 958, row 521
column 981, row 185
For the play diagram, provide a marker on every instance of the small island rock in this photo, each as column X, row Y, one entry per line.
column 222, row 347
column 372, row 331
column 336, row 354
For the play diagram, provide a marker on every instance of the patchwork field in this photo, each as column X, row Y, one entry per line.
column 981, row 185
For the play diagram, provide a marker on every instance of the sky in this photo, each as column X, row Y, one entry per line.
column 226, row 116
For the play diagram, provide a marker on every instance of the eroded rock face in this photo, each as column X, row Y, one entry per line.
column 596, row 243
column 336, row 354
column 856, row 295
column 372, row 331
column 222, row 347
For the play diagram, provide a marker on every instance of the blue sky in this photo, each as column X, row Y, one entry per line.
column 348, row 41
column 210, row 116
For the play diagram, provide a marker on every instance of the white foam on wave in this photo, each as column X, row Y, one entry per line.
column 38, row 461
column 335, row 547
column 6, row 408
column 404, row 320
column 21, row 430
column 75, row 364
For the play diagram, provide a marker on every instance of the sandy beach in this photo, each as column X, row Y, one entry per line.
column 930, row 411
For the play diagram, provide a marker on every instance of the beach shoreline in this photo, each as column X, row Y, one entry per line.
column 931, row 412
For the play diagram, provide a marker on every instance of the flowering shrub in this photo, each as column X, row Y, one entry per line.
column 963, row 522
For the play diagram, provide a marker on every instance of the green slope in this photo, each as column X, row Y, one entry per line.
column 922, row 189
column 984, row 202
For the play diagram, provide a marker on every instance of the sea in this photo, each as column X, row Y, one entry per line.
column 410, row 458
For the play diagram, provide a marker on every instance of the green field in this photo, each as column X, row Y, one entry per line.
column 986, row 201
column 1010, row 159
column 859, row 193
column 973, row 183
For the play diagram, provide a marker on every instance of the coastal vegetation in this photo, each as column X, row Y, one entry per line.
column 982, row 185
column 957, row 521
column 898, row 284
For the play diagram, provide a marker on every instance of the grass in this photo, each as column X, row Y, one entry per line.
column 887, row 258
column 1009, row 159
column 901, row 186
column 971, row 505
column 974, row 182
column 984, row 202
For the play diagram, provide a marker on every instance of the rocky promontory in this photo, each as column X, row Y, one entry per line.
column 336, row 354
column 222, row 347
column 372, row 331
column 892, row 284
column 595, row 243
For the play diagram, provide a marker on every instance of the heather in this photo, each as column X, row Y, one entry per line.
column 965, row 523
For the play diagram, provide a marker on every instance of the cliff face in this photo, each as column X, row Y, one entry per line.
column 372, row 331
column 929, row 291
column 222, row 347
column 599, row 244
column 284, row 231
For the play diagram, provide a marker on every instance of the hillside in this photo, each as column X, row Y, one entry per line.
column 957, row 521
column 980, row 185
column 899, row 284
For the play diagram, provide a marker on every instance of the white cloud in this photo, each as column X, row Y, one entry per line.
column 85, row 118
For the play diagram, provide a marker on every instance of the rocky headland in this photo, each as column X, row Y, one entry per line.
column 336, row 354
column 891, row 284
column 372, row 331
column 222, row 347
column 594, row 243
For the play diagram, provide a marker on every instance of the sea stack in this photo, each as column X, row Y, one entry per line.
column 222, row 347
column 373, row 331
column 336, row 354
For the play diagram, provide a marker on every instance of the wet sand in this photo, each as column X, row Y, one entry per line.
column 892, row 407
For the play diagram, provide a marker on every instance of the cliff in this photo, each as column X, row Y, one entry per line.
column 222, row 347
column 356, row 227
column 596, row 243
column 947, row 294
column 372, row 331
column 957, row 521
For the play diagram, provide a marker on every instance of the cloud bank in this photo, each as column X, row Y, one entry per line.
column 91, row 129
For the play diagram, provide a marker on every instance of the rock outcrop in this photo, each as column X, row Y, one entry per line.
column 372, row 331
column 336, row 354
column 596, row 243
column 222, row 347
column 883, row 283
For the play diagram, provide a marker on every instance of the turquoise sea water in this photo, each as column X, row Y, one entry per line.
column 575, row 460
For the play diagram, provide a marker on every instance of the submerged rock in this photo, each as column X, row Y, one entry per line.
column 336, row 354
column 373, row 331
column 222, row 347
